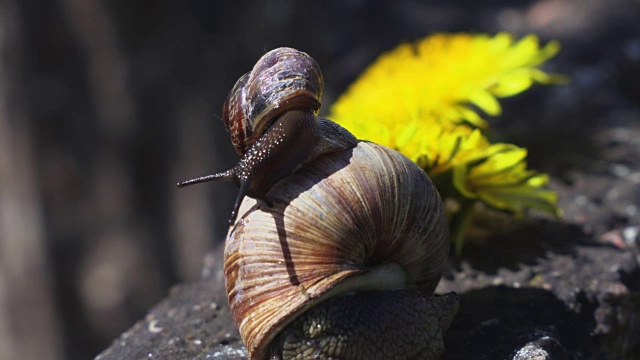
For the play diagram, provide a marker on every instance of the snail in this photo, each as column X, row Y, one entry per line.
column 271, row 116
column 335, row 245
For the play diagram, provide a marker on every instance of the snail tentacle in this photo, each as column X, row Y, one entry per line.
column 228, row 175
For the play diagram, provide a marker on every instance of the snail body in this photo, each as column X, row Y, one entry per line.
column 335, row 245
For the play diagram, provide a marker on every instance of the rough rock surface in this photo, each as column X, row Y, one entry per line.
column 578, row 303
column 193, row 322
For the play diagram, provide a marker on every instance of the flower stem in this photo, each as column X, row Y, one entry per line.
column 460, row 223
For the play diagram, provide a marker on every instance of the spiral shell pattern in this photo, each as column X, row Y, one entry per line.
column 283, row 79
column 341, row 217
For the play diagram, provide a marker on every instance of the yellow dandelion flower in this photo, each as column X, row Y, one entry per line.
column 437, row 78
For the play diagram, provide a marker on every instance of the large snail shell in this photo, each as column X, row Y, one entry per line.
column 283, row 79
column 366, row 218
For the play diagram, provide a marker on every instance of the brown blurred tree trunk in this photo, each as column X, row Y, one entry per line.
column 29, row 327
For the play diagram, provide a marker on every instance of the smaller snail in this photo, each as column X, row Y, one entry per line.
column 271, row 116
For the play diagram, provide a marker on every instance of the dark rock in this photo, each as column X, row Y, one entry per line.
column 192, row 323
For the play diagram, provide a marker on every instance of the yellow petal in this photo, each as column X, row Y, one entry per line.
column 514, row 83
column 504, row 157
column 485, row 101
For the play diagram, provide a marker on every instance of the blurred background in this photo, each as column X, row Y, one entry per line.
column 105, row 105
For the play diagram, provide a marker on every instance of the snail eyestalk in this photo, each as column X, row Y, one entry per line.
column 228, row 175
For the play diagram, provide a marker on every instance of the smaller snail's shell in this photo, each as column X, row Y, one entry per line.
column 341, row 218
column 283, row 79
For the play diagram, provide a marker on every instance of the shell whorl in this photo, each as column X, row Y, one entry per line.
column 283, row 79
column 343, row 217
